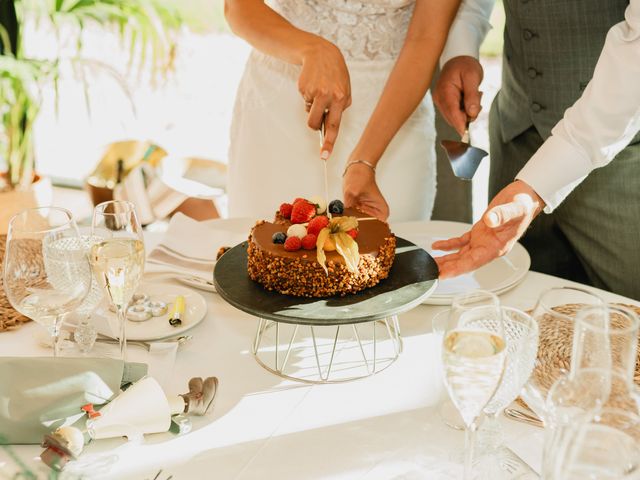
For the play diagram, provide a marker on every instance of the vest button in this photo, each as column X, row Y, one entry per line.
column 527, row 34
column 532, row 72
column 536, row 107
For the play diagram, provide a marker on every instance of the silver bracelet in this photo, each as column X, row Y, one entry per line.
column 353, row 162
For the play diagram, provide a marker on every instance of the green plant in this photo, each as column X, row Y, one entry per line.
column 145, row 28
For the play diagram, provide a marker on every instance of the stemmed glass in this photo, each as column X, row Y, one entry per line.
column 46, row 270
column 460, row 304
column 605, row 447
column 473, row 358
column 117, row 257
column 521, row 335
column 554, row 326
column 601, row 377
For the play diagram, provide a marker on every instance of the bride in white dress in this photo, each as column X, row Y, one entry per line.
column 368, row 65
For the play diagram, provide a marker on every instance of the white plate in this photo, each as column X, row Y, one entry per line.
column 156, row 328
column 499, row 276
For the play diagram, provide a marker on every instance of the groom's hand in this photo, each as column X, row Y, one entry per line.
column 457, row 93
column 507, row 218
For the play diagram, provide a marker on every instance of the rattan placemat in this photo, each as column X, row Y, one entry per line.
column 555, row 345
column 9, row 318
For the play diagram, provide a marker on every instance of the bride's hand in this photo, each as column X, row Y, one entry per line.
column 361, row 191
column 325, row 86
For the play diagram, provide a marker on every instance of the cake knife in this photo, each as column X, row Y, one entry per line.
column 324, row 162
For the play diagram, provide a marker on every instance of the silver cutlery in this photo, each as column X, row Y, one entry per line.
column 522, row 416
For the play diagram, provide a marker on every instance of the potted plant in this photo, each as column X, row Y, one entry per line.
column 145, row 28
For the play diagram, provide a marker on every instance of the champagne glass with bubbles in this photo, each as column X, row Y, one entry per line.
column 117, row 257
column 46, row 269
column 473, row 359
column 460, row 304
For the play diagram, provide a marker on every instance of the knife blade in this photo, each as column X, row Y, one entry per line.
column 324, row 162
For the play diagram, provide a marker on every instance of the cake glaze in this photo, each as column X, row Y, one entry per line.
column 298, row 273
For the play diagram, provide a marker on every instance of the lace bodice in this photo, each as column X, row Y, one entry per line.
column 363, row 30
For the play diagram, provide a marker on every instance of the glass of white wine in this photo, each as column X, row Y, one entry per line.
column 473, row 359
column 117, row 257
column 46, row 270
column 460, row 304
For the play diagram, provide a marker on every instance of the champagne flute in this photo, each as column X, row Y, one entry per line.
column 117, row 257
column 46, row 270
column 473, row 357
column 460, row 304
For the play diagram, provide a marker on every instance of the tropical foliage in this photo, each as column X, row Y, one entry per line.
column 146, row 28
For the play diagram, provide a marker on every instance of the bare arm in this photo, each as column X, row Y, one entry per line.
column 406, row 87
column 410, row 78
column 324, row 82
column 268, row 31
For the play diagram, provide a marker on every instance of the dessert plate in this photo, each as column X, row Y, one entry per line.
column 499, row 276
column 156, row 328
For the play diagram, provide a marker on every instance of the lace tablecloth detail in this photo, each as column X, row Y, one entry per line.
column 363, row 30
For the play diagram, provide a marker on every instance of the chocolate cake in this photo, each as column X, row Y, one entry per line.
column 320, row 263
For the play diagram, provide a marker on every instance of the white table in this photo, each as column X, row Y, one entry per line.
column 382, row 427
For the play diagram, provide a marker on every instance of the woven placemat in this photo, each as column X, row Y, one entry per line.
column 9, row 317
column 555, row 345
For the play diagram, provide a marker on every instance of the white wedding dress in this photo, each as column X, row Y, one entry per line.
column 274, row 155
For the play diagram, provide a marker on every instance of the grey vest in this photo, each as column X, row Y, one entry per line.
column 550, row 50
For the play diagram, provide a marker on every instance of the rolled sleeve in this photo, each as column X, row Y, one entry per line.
column 599, row 125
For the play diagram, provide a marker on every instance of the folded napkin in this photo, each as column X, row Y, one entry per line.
column 189, row 248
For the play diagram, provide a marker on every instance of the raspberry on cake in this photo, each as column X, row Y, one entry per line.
column 340, row 265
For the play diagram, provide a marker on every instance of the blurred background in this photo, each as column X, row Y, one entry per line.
column 185, row 109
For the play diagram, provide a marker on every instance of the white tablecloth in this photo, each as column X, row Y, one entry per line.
column 382, row 427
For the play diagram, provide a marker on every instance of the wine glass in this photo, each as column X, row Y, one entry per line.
column 556, row 327
column 607, row 338
column 46, row 270
column 460, row 304
column 521, row 335
column 473, row 358
column 117, row 257
column 606, row 447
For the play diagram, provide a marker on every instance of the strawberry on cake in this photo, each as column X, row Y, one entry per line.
column 316, row 250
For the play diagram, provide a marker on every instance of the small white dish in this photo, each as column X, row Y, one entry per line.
column 499, row 276
column 156, row 328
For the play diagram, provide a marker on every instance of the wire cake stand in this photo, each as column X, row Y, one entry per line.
column 334, row 339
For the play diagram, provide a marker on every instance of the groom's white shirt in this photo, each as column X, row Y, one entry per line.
column 598, row 125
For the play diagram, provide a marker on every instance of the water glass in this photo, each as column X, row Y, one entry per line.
column 46, row 269
column 606, row 447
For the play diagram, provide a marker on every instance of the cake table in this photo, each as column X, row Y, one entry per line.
column 349, row 337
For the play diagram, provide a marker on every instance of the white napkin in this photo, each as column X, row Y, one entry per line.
column 189, row 248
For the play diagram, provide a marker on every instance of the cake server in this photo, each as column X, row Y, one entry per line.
column 324, row 162
column 464, row 158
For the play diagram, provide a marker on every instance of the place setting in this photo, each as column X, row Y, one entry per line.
column 217, row 231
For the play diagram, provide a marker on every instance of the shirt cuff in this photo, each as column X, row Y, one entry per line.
column 463, row 40
column 555, row 170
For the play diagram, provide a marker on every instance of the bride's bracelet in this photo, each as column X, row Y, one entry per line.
column 353, row 162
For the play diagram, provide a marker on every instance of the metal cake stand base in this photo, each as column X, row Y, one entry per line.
column 327, row 354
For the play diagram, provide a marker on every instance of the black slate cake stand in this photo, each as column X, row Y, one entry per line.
column 349, row 337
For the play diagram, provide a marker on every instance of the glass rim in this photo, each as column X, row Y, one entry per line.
column 99, row 208
column 13, row 227
column 635, row 321
column 564, row 316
